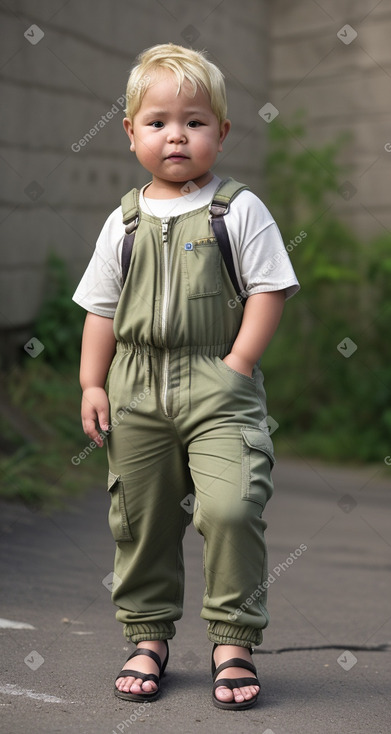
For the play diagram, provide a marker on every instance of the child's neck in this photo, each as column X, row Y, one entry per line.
column 159, row 189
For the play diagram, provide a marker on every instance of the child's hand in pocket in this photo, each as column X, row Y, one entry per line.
column 238, row 364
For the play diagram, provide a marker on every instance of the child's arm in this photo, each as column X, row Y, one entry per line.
column 98, row 347
column 262, row 314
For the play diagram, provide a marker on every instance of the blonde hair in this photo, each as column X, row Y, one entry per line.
column 186, row 64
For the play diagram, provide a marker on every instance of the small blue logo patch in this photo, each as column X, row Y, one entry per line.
column 188, row 246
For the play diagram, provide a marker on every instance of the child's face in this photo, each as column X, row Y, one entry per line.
column 176, row 137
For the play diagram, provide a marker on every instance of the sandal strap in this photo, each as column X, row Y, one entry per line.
column 232, row 683
column 235, row 663
column 149, row 653
column 138, row 674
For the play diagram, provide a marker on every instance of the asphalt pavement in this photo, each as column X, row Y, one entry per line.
column 324, row 665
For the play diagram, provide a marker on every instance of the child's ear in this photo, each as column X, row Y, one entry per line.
column 224, row 130
column 128, row 127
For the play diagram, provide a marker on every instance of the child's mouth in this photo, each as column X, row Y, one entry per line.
column 177, row 157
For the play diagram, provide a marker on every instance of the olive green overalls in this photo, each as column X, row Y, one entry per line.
column 186, row 437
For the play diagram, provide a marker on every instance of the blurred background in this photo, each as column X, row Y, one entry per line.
column 308, row 88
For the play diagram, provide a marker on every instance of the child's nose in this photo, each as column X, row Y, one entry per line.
column 176, row 134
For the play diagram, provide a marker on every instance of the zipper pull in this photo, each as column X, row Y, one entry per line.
column 165, row 228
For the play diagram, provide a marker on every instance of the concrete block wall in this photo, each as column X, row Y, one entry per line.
column 333, row 59
column 63, row 68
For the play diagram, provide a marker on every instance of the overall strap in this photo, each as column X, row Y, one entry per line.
column 224, row 194
column 130, row 217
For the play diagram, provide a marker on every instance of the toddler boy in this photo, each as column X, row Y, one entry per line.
column 185, row 407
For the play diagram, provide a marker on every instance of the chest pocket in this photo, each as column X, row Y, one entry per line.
column 202, row 267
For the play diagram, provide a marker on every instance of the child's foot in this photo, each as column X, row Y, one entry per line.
column 144, row 664
column 223, row 653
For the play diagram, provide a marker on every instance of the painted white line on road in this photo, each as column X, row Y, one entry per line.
column 13, row 690
column 82, row 633
column 10, row 624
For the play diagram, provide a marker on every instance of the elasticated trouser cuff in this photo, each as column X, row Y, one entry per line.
column 220, row 632
column 228, row 634
column 156, row 631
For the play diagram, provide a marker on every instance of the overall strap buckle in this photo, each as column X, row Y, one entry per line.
column 127, row 245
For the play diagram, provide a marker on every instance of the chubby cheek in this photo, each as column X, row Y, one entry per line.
column 147, row 150
column 206, row 149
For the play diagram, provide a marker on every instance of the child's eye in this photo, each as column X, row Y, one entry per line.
column 194, row 123
column 157, row 123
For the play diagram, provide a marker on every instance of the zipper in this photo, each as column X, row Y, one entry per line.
column 166, row 298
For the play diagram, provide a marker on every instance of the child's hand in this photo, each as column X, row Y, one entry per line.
column 95, row 413
column 238, row 364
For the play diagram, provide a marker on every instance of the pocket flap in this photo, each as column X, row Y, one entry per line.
column 256, row 438
column 112, row 480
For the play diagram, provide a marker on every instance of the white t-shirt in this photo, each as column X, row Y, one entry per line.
column 261, row 260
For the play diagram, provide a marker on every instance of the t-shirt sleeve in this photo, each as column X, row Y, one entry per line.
column 100, row 287
column 261, row 261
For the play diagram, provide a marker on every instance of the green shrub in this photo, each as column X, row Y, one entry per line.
column 59, row 324
column 46, row 393
column 41, row 472
column 327, row 405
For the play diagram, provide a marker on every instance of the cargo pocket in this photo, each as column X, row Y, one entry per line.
column 257, row 463
column 118, row 517
column 202, row 267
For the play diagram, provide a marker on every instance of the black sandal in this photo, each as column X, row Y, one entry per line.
column 232, row 683
column 144, row 676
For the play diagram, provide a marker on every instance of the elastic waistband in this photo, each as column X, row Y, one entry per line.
column 209, row 350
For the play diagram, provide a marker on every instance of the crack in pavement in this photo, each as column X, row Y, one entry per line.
column 382, row 647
